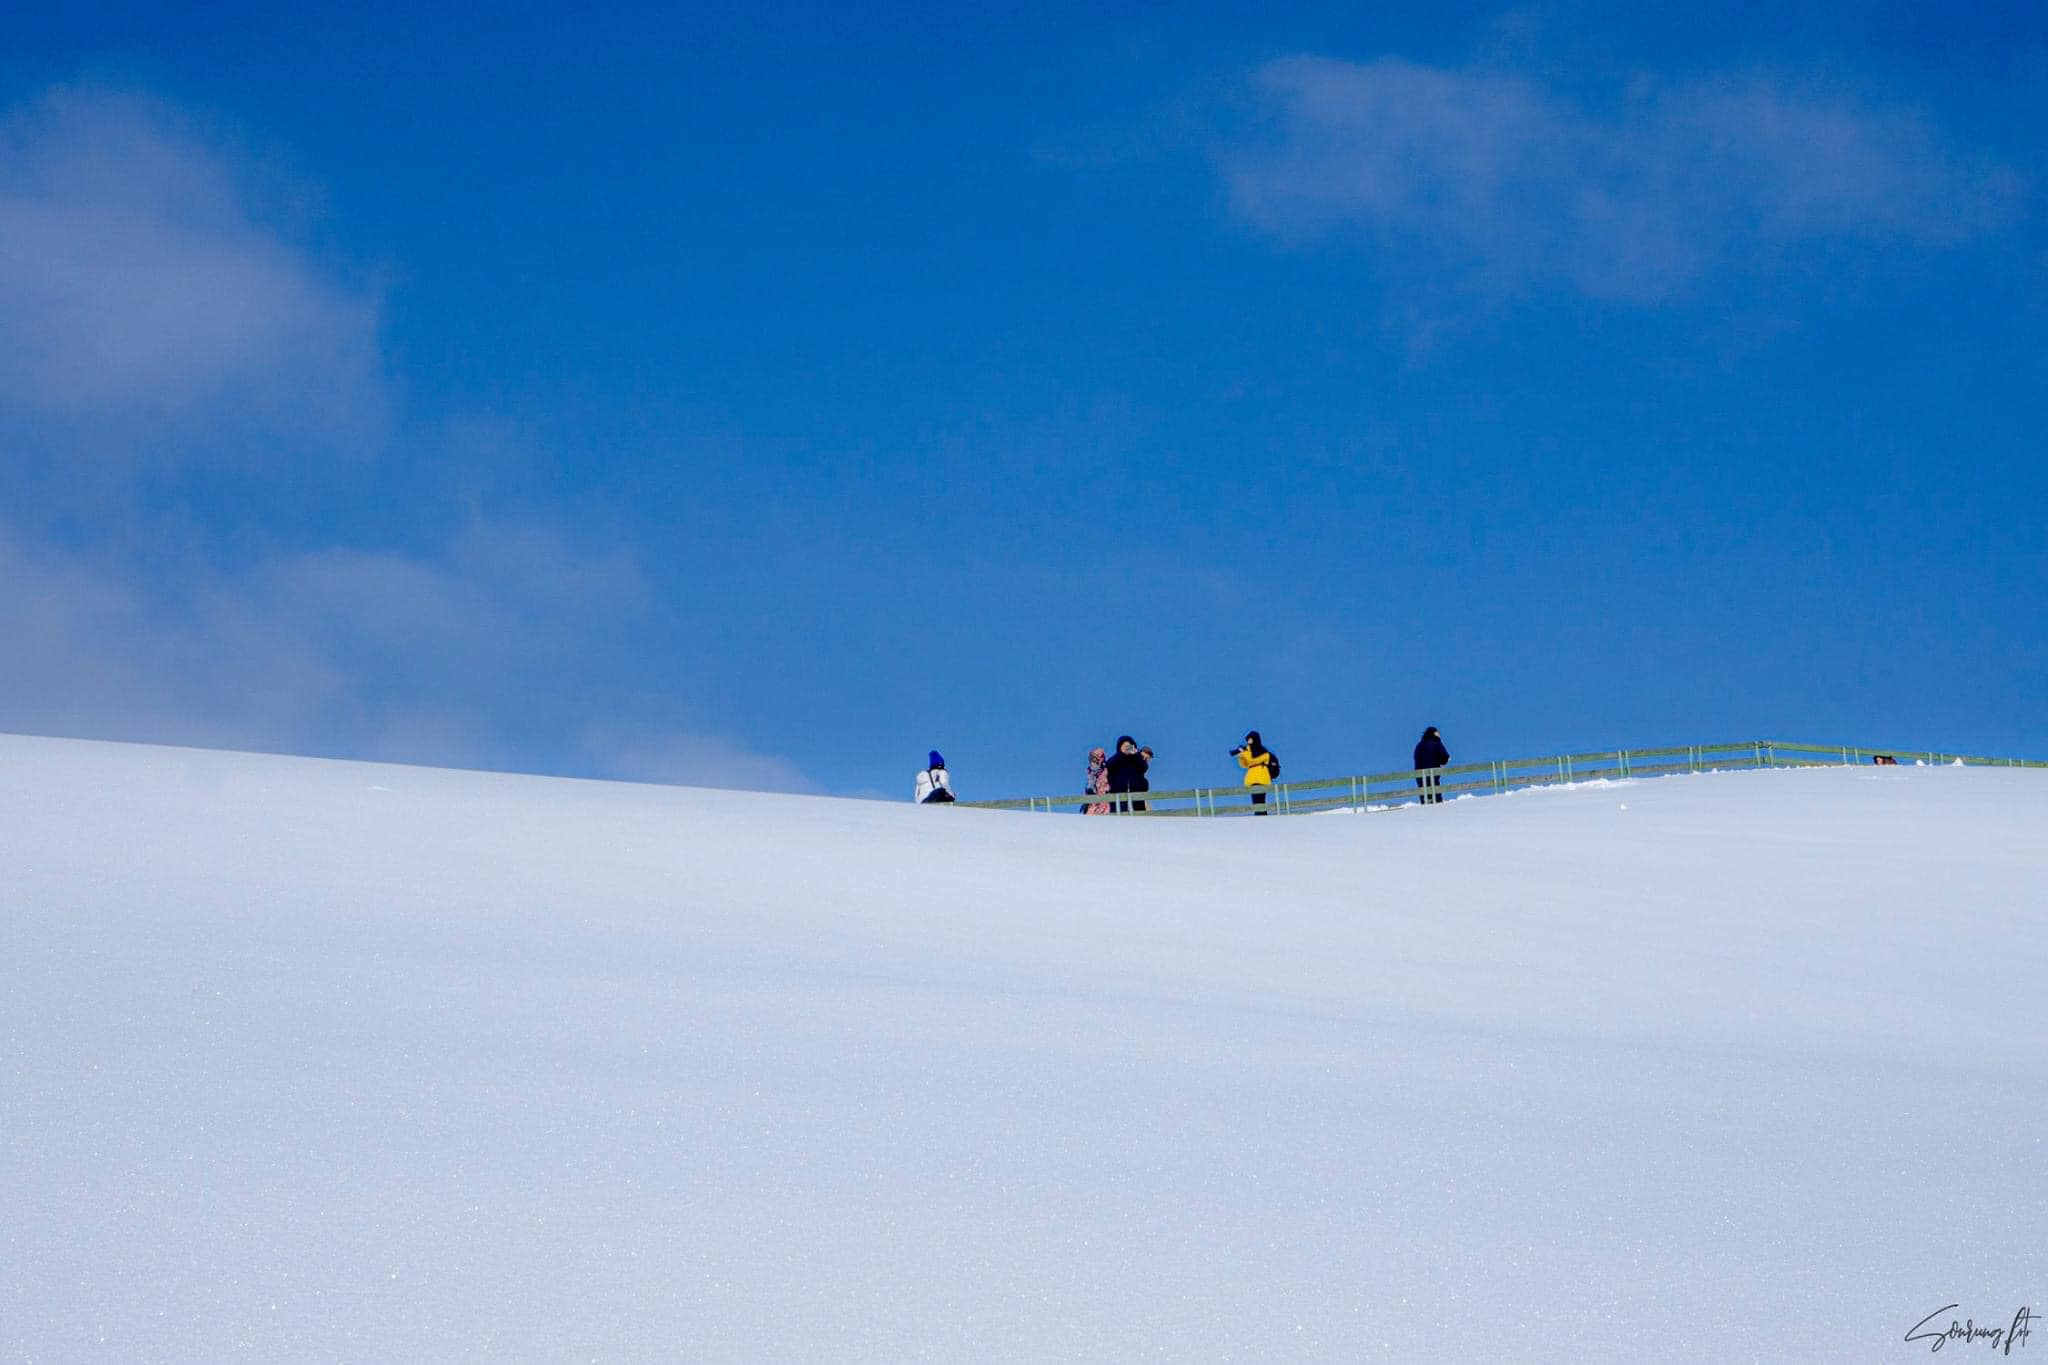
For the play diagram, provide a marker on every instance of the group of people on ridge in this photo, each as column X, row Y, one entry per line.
column 1123, row 775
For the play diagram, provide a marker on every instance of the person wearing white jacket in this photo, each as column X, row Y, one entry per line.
column 934, row 786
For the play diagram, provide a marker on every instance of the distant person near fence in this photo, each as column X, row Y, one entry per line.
column 1126, row 770
column 1098, row 782
column 1431, row 753
column 1260, row 766
column 934, row 784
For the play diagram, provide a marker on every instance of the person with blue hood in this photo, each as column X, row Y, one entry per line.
column 934, row 786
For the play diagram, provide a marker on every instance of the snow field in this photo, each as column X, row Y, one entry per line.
column 315, row 1061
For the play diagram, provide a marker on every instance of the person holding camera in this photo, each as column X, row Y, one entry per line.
column 1127, row 773
column 1260, row 768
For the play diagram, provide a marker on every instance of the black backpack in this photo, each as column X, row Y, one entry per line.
column 1273, row 764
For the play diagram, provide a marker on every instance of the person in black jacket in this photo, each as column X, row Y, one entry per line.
column 1430, row 753
column 1127, row 774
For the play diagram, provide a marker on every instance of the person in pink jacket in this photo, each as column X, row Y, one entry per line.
column 1098, row 781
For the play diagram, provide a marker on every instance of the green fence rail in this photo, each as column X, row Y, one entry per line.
column 1380, row 790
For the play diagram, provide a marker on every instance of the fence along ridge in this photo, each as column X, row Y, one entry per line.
column 1492, row 777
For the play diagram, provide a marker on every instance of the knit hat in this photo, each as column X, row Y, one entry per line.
column 938, row 760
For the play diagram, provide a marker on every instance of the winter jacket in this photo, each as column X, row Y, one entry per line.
column 1127, row 772
column 1258, row 769
column 1098, row 782
column 1430, row 751
column 931, row 782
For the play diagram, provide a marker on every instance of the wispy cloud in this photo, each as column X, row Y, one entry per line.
column 504, row 647
column 1510, row 184
column 100, row 649
column 139, row 286
column 375, row 654
column 153, row 320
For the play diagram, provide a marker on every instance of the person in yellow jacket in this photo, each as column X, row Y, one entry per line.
column 1259, row 766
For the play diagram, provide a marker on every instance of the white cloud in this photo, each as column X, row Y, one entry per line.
column 1512, row 184
column 152, row 319
column 96, row 647
column 496, row 650
column 138, row 287
column 494, row 603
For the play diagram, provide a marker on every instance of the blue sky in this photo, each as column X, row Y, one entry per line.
column 762, row 398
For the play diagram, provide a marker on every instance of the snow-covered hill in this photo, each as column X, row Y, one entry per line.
column 314, row 1061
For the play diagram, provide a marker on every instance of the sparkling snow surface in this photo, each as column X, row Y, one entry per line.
column 315, row 1061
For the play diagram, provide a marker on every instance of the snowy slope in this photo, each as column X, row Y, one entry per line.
column 313, row 1061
